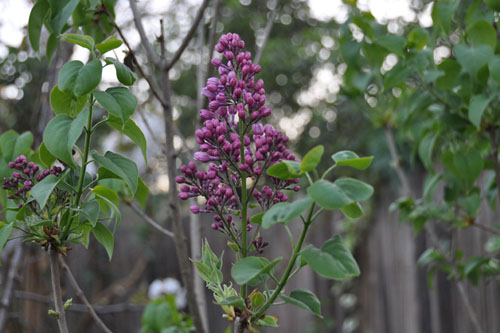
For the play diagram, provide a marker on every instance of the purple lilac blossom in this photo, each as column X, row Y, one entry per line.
column 235, row 110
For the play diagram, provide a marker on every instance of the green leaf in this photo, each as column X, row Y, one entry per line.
column 88, row 78
column 90, row 211
column 425, row 149
column 332, row 261
column 249, row 269
column 35, row 23
column 132, row 131
column 63, row 102
column 42, row 190
column 392, row 43
column 342, row 192
column 442, row 14
column 108, row 44
column 237, row 301
column 482, row 33
column 494, row 66
column 257, row 218
column 312, row 159
column 304, row 299
column 477, row 106
column 68, row 75
column 5, row 231
column 352, row 210
column 105, row 237
column 62, row 15
column 451, row 69
column 430, row 185
column 257, row 299
column 284, row 212
column 107, row 199
column 52, row 44
column 118, row 101
column 120, row 166
column 267, row 321
column 285, row 170
column 142, row 193
column 123, row 73
column 61, row 134
column 45, row 157
column 473, row 58
column 351, row 159
column 82, row 40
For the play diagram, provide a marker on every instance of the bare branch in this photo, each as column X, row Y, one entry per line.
column 486, row 228
column 56, row 288
column 189, row 35
column 152, row 84
column 9, row 284
column 77, row 307
column 152, row 56
column 81, row 295
column 149, row 220
column 267, row 32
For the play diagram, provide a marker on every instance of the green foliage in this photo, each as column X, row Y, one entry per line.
column 161, row 316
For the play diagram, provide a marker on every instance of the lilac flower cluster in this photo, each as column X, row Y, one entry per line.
column 25, row 177
column 233, row 141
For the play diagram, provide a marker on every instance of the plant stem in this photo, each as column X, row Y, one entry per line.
column 244, row 205
column 56, row 288
column 291, row 263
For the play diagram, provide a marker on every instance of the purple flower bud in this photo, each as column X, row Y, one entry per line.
column 12, row 165
column 216, row 62
column 202, row 157
column 249, row 227
column 16, row 175
column 183, row 196
column 180, row 179
column 9, row 196
column 215, row 226
column 194, row 209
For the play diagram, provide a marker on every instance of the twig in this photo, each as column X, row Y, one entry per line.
column 211, row 40
column 189, row 35
column 77, row 307
column 149, row 220
column 267, row 32
column 153, row 57
column 152, row 84
column 56, row 288
column 9, row 284
column 460, row 285
column 486, row 228
column 395, row 161
column 81, row 295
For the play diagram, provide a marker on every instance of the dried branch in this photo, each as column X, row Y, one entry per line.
column 149, row 220
column 77, row 307
column 81, row 295
column 486, row 228
column 188, row 37
column 267, row 32
column 395, row 161
column 56, row 288
column 211, row 41
column 148, row 47
column 9, row 283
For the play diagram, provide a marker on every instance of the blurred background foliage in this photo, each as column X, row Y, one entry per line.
column 345, row 75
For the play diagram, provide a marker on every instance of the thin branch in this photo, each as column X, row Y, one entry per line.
column 460, row 285
column 267, row 32
column 486, row 228
column 56, row 288
column 189, row 35
column 149, row 220
column 395, row 161
column 9, row 284
column 77, row 307
column 148, row 47
column 152, row 84
column 211, row 40
column 81, row 295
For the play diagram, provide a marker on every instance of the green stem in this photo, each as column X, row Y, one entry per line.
column 244, row 205
column 83, row 169
column 328, row 171
column 291, row 264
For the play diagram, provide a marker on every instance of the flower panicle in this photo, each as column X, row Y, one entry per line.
column 233, row 142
